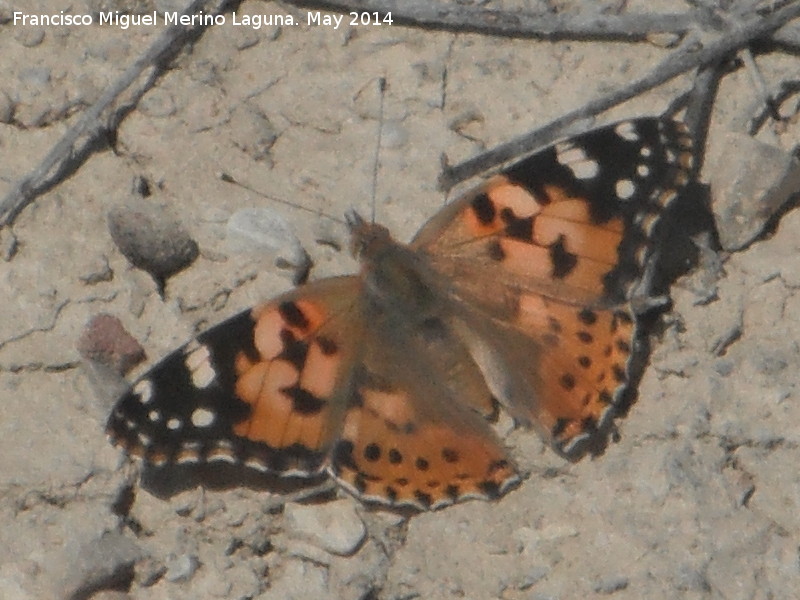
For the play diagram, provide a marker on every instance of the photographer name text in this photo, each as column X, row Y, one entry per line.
column 125, row 21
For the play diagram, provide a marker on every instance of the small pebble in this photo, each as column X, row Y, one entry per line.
column 750, row 182
column 181, row 568
column 105, row 340
column 334, row 527
column 265, row 231
column 152, row 240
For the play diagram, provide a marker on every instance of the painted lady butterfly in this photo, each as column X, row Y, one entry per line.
column 518, row 294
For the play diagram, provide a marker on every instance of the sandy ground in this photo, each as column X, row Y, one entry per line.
column 699, row 497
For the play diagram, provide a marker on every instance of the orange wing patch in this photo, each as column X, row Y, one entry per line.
column 388, row 454
column 291, row 386
column 586, row 355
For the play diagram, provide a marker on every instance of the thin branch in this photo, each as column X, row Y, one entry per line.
column 84, row 135
column 700, row 104
column 541, row 25
column 687, row 57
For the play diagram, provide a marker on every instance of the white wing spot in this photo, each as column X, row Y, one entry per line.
column 154, row 415
column 144, row 390
column 198, row 361
column 671, row 156
column 627, row 131
column 585, row 169
column 569, row 153
column 643, row 170
column 576, row 160
column 625, row 189
column 202, row 417
column 646, row 151
column 144, row 439
column 173, row 424
column 254, row 463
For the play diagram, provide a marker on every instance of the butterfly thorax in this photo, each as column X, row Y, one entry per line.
column 395, row 278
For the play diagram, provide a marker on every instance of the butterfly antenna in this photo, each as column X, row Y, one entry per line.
column 382, row 93
column 227, row 178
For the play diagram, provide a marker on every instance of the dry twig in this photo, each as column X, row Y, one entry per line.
column 456, row 17
column 689, row 56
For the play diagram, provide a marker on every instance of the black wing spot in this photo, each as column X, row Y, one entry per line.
column 294, row 350
column 395, row 457
column 567, row 381
column 450, row 455
column 519, row 228
column 563, row 260
column 585, row 337
column 483, row 208
column 423, row 498
column 372, row 452
column 292, row 315
column 327, row 345
column 495, row 251
column 490, row 488
column 587, row 317
column 343, row 455
column 304, row 401
column 422, row 464
column 585, row 361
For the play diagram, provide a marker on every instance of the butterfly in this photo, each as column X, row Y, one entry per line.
column 517, row 296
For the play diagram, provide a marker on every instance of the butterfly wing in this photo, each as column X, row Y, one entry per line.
column 548, row 254
column 266, row 389
column 415, row 432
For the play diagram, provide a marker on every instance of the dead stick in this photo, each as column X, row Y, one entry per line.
column 454, row 17
column 687, row 57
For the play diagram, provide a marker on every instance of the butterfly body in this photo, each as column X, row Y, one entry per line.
column 517, row 295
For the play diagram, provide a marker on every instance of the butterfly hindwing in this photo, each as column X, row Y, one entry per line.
column 415, row 432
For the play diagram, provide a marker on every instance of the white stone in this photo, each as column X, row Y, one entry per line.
column 335, row 527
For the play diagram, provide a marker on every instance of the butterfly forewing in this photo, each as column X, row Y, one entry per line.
column 265, row 389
